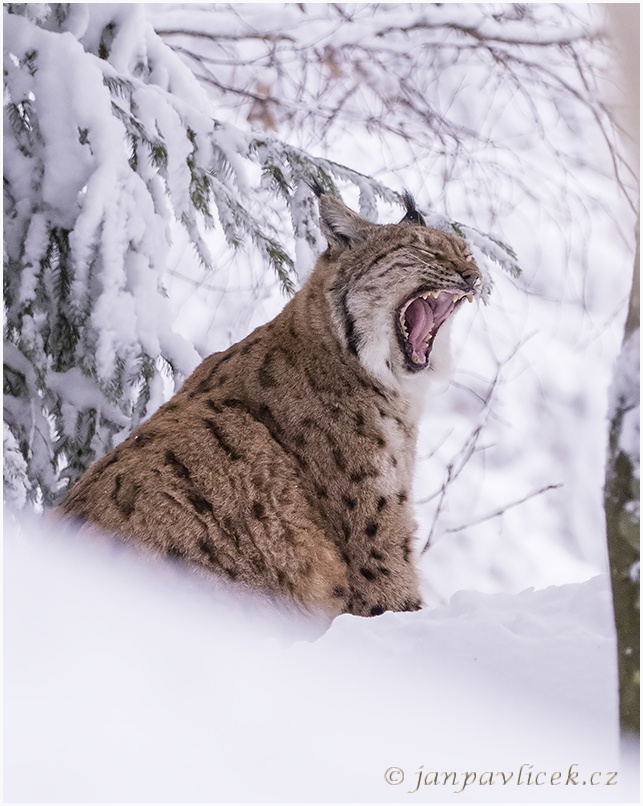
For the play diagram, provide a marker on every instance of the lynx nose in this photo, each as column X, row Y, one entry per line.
column 472, row 277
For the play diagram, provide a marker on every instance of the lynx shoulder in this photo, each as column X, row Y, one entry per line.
column 286, row 462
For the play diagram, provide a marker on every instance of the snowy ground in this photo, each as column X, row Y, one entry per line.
column 131, row 680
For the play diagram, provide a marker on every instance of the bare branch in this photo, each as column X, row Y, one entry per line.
column 219, row 36
column 501, row 511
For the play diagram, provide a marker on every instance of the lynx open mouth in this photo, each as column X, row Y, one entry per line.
column 419, row 320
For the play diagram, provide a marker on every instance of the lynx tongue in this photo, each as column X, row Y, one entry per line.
column 419, row 322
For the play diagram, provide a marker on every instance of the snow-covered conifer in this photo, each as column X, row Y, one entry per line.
column 110, row 140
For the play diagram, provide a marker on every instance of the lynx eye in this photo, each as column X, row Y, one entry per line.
column 418, row 322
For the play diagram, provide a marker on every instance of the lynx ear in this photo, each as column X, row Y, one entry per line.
column 340, row 225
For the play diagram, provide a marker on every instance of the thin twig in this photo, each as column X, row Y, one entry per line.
column 498, row 512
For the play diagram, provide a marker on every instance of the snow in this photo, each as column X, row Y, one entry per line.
column 82, row 393
column 624, row 398
column 129, row 679
column 15, row 471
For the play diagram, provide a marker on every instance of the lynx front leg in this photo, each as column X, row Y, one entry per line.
column 384, row 580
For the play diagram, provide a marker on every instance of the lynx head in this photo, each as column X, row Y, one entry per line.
column 393, row 289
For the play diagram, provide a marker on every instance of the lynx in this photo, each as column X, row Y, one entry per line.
column 286, row 462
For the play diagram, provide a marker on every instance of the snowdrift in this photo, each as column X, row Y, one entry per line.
column 131, row 679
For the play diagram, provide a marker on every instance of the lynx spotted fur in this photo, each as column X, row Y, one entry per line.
column 286, row 462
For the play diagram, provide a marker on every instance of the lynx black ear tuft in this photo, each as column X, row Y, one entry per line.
column 413, row 216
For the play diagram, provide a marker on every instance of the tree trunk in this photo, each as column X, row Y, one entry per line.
column 622, row 483
column 622, row 489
